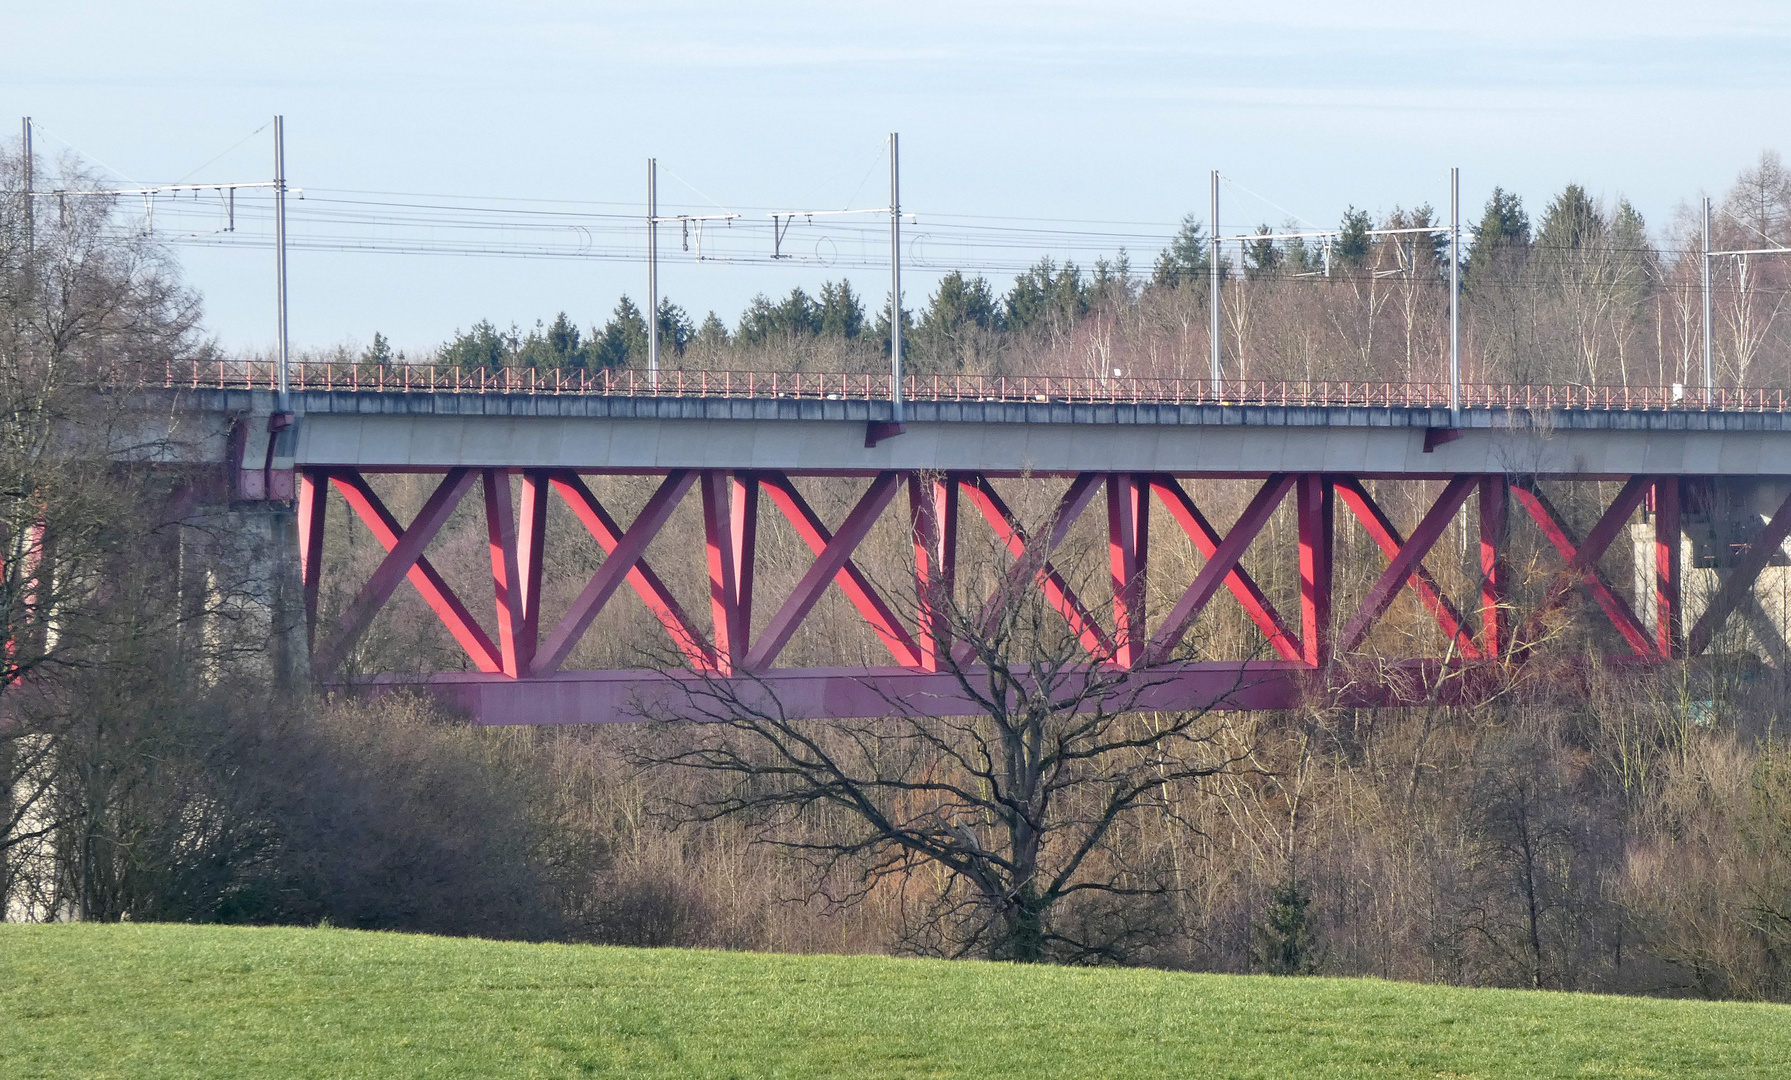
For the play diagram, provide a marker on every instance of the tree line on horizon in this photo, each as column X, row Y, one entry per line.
column 1581, row 293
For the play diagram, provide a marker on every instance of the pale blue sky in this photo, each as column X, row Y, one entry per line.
column 1040, row 110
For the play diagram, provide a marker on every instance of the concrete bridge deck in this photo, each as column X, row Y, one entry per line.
column 400, row 431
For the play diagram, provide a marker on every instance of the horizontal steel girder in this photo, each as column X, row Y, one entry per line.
column 586, row 697
column 406, row 442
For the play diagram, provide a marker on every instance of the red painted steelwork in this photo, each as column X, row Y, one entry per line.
column 1495, row 500
column 1206, row 541
column 1667, row 637
column 630, row 546
column 520, row 682
column 1033, row 560
column 850, row 578
column 36, row 567
column 730, row 532
column 500, row 535
column 646, row 584
column 1128, row 550
column 404, row 558
column 531, row 549
column 933, row 518
column 826, row 693
column 581, row 697
column 1223, row 562
column 1406, row 562
column 831, row 560
column 313, row 501
column 1582, row 562
column 1317, row 510
column 1740, row 582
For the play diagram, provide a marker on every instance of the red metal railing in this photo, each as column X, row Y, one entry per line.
column 431, row 378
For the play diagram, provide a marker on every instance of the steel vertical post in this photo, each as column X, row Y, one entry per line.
column 653, row 271
column 1709, row 350
column 313, row 500
column 895, row 278
column 1128, row 549
column 1316, row 509
column 30, row 206
column 280, row 255
column 713, row 485
column 39, row 585
column 506, row 577
column 933, row 518
column 1739, row 585
column 730, row 530
column 1455, row 297
column 743, row 538
column 1495, row 500
column 531, row 549
column 1668, row 634
column 1213, row 298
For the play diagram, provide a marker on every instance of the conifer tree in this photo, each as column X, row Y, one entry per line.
column 842, row 314
column 1183, row 262
column 1502, row 232
column 624, row 338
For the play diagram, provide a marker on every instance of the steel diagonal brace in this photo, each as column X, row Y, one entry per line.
column 404, row 558
column 1582, row 563
column 1406, row 561
column 646, row 584
column 835, row 553
column 1224, row 560
column 1206, row 540
column 1739, row 585
column 849, row 577
column 623, row 558
column 1057, row 591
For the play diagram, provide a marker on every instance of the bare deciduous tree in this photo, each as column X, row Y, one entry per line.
column 1012, row 832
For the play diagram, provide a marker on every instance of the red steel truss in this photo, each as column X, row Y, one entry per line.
column 518, row 671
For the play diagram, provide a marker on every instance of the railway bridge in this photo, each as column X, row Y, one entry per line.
column 1695, row 487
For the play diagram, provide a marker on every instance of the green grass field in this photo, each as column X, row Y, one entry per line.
column 177, row 1001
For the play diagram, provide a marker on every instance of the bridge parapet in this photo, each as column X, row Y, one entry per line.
column 1025, row 389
